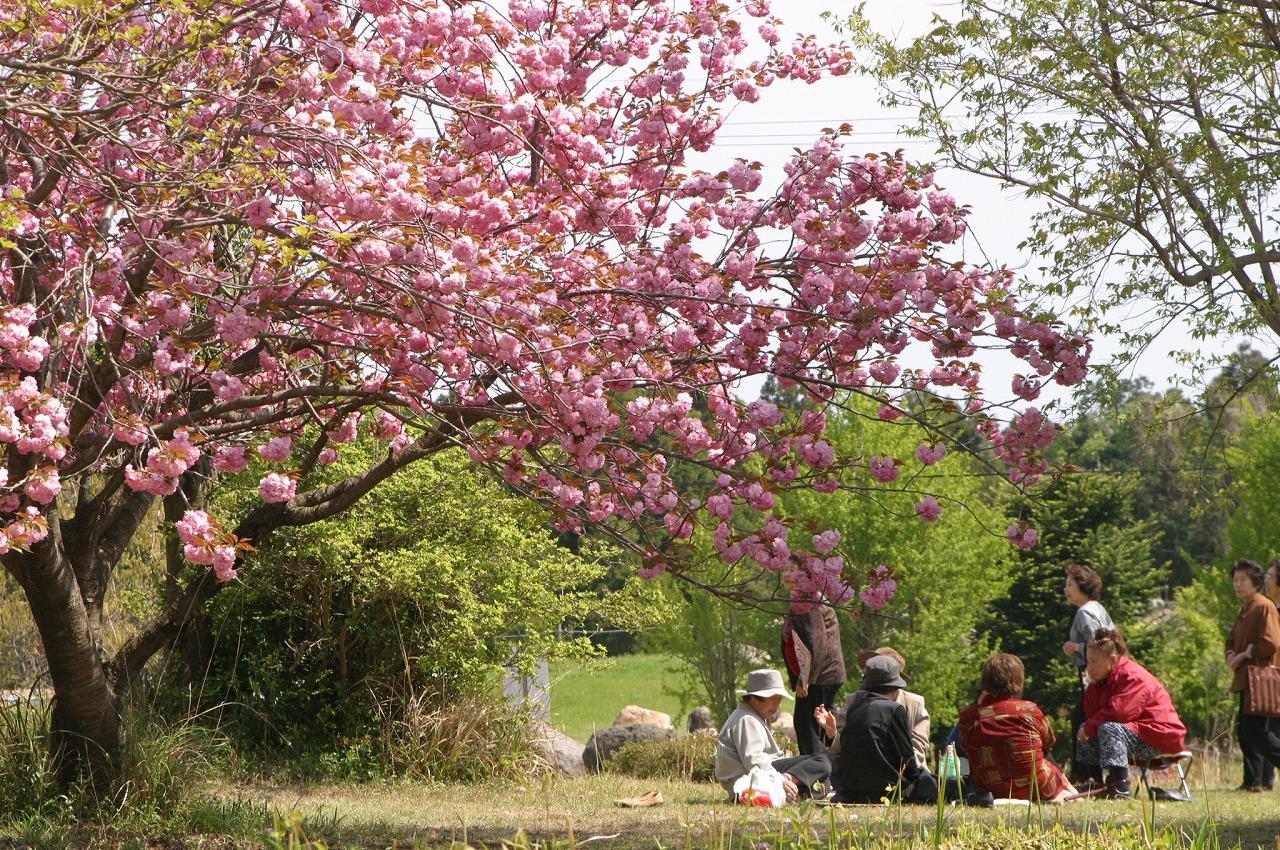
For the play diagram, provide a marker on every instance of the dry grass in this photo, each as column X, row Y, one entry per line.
column 694, row 814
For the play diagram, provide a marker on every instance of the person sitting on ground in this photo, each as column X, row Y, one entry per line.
column 1007, row 739
column 1129, row 716
column 876, row 759
column 917, row 715
column 746, row 742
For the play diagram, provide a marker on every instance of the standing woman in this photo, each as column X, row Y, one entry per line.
column 1253, row 640
column 1271, row 587
column 1082, row 588
column 815, row 664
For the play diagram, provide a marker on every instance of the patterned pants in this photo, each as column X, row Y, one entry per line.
column 1115, row 746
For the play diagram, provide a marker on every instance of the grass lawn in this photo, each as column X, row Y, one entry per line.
column 589, row 697
column 697, row 816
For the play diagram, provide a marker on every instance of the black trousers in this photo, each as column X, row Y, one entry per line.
column 1259, row 744
column 808, row 735
column 923, row 791
column 806, row 769
column 1079, row 770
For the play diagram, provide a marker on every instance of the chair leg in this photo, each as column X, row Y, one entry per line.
column 1182, row 774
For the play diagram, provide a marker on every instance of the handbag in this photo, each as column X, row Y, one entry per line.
column 1263, row 696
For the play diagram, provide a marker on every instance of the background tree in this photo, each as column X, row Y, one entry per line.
column 236, row 230
column 959, row 546
column 1150, row 129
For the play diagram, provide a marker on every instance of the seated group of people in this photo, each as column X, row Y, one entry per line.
column 881, row 750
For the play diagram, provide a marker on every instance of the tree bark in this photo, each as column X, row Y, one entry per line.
column 86, row 732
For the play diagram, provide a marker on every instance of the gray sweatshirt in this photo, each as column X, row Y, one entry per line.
column 744, row 742
column 1090, row 619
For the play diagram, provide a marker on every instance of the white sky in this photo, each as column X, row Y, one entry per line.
column 790, row 114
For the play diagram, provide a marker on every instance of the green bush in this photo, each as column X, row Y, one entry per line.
column 347, row 639
column 687, row 757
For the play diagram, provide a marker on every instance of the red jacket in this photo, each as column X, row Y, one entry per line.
column 1132, row 696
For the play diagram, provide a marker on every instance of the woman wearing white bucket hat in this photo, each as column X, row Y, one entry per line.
column 745, row 742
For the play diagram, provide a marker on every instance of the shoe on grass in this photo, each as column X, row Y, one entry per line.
column 648, row 798
column 1116, row 791
column 980, row 799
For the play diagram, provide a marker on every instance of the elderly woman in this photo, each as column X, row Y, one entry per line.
column 1129, row 715
column 1007, row 738
column 745, row 742
column 1082, row 588
column 1253, row 641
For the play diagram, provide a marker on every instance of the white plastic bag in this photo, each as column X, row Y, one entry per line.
column 761, row 787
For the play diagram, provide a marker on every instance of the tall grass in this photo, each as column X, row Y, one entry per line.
column 163, row 770
column 461, row 737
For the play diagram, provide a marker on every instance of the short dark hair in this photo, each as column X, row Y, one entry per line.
column 1109, row 641
column 1250, row 568
column 1086, row 578
column 1003, row 675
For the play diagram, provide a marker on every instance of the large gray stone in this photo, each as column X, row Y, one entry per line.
column 605, row 742
column 700, row 721
column 562, row 753
column 635, row 714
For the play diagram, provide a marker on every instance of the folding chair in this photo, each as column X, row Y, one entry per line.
column 1181, row 762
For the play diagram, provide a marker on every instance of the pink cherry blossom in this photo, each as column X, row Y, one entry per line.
column 559, row 275
column 928, row 509
column 275, row 487
column 929, row 455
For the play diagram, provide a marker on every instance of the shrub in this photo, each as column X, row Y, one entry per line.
column 687, row 757
column 355, row 639
column 467, row 738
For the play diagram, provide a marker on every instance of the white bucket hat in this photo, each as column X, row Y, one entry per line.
column 764, row 683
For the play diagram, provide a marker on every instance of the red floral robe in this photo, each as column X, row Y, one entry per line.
column 1006, row 740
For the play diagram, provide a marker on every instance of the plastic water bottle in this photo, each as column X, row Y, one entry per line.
column 950, row 767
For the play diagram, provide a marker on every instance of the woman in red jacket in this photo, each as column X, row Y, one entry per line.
column 1129, row 716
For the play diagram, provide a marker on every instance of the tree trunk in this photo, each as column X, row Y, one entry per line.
column 86, row 732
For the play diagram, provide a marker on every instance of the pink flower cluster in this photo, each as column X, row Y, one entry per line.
column 539, row 277
column 165, row 463
column 204, row 542
column 881, row 587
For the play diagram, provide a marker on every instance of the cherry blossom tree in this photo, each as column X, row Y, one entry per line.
column 237, row 229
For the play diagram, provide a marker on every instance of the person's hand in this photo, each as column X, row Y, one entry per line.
column 1235, row 659
column 1081, row 736
column 802, row 691
column 826, row 720
column 789, row 785
column 1070, row 648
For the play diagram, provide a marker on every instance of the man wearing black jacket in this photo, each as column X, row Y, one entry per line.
column 876, row 759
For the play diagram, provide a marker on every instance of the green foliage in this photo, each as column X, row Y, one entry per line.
column 1172, row 444
column 949, row 571
column 716, row 641
column 1188, row 657
column 1148, row 129
column 163, row 769
column 687, row 757
column 1089, row 519
column 411, row 601
column 1254, row 528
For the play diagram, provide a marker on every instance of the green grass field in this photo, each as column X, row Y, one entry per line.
column 562, row 813
column 584, row 698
